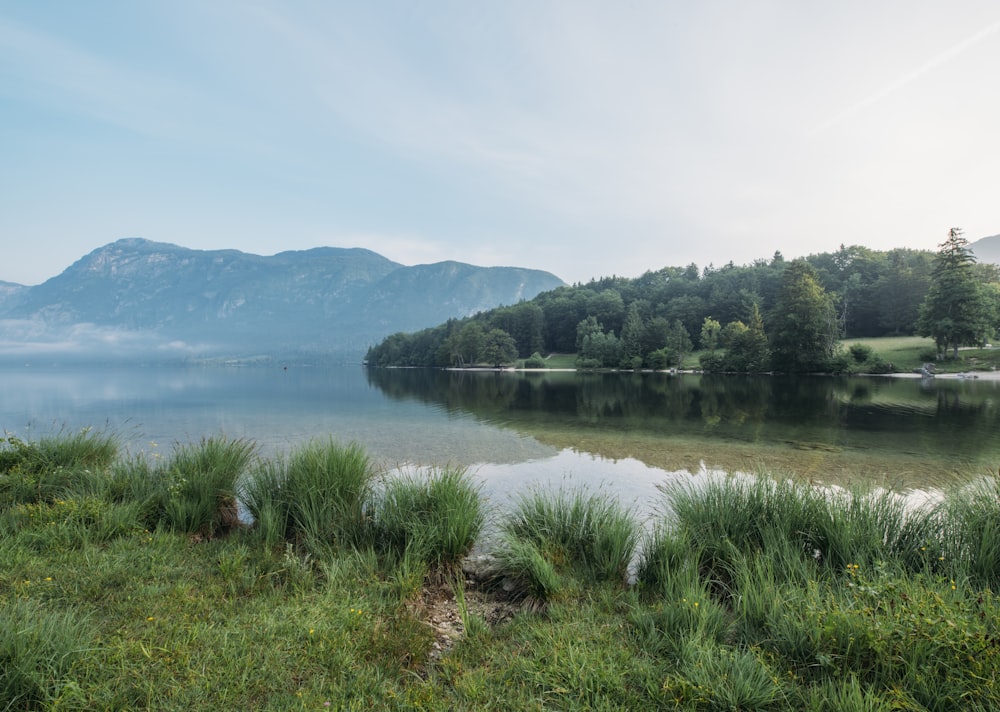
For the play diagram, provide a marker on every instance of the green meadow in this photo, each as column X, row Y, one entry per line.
column 906, row 354
column 213, row 578
column 909, row 353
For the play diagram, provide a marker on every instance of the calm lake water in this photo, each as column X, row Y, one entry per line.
column 626, row 433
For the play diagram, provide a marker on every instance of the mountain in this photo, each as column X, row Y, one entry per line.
column 987, row 249
column 9, row 291
column 136, row 295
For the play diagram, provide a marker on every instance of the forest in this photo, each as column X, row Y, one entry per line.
column 771, row 315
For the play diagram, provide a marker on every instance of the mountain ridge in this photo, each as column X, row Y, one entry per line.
column 320, row 300
column 987, row 249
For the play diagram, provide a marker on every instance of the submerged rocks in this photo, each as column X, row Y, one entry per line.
column 481, row 567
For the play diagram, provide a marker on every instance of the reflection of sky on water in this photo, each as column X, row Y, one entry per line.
column 512, row 436
column 632, row 482
column 274, row 408
column 279, row 410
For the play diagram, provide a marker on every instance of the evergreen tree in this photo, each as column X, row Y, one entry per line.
column 678, row 347
column 804, row 335
column 957, row 310
column 746, row 345
column 599, row 350
column 875, row 294
column 654, row 335
column 710, row 330
column 587, row 327
column 631, row 337
column 563, row 309
column 902, row 289
column 609, row 309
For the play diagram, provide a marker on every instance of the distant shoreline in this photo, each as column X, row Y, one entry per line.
column 964, row 375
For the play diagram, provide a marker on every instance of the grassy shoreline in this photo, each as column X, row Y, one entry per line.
column 905, row 354
column 130, row 583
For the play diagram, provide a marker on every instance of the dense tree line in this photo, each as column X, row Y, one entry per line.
column 771, row 314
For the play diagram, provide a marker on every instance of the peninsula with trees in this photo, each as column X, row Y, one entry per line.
column 775, row 314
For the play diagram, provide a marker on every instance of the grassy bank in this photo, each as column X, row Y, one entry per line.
column 906, row 354
column 909, row 353
column 130, row 583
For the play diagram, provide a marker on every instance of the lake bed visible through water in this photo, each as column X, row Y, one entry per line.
column 621, row 433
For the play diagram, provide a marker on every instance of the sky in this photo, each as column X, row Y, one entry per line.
column 584, row 138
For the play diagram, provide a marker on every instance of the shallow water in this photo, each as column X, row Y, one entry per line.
column 627, row 433
column 904, row 433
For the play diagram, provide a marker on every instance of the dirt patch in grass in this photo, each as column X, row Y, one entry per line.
column 439, row 608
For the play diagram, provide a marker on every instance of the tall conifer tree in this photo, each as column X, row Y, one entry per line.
column 804, row 334
column 957, row 311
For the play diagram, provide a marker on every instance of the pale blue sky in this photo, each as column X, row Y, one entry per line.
column 583, row 138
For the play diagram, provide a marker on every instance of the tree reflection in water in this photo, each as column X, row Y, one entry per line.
column 898, row 431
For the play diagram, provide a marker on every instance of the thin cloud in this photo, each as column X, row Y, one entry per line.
column 81, row 82
column 580, row 138
column 904, row 80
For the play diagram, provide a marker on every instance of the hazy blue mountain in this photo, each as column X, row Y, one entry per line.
column 134, row 294
column 987, row 249
column 9, row 291
column 452, row 287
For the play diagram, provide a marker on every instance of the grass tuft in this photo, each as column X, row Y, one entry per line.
column 725, row 518
column 198, row 485
column 53, row 467
column 316, row 498
column 438, row 516
column 546, row 536
column 38, row 648
column 970, row 524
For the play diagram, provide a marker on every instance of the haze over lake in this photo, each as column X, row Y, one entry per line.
column 628, row 432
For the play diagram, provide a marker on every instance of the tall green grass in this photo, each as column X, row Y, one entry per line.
column 86, row 448
column 437, row 515
column 52, row 466
column 135, row 480
column 750, row 593
column 198, row 485
column 969, row 526
column 569, row 532
column 38, row 649
column 84, row 493
column 316, row 497
column 724, row 518
column 852, row 593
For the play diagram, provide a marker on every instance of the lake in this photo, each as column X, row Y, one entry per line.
column 626, row 433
